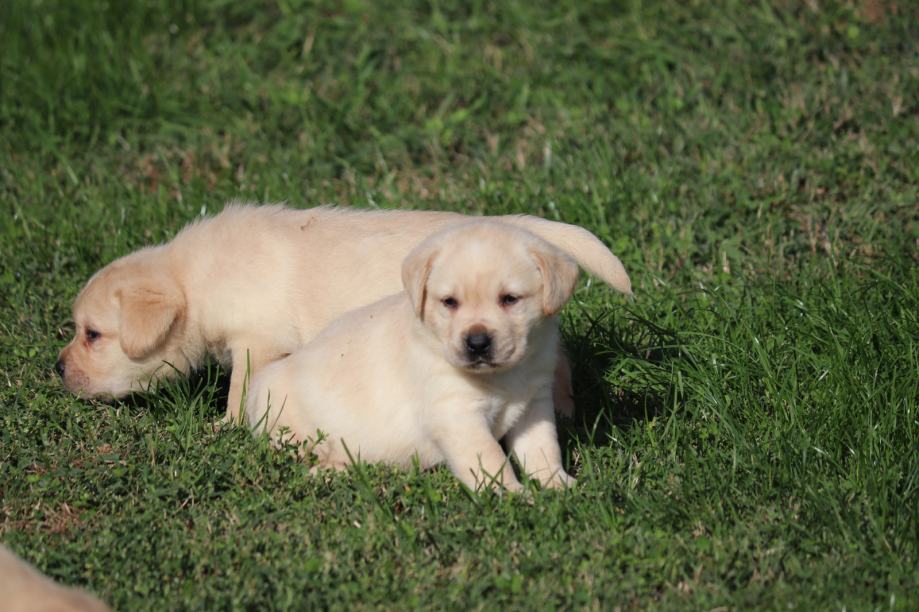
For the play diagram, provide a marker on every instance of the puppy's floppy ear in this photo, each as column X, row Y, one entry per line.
column 559, row 276
column 415, row 272
column 150, row 306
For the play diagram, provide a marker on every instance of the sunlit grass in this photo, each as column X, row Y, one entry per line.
column 746, row 432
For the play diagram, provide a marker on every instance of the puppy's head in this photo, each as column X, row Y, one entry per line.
column 484, row 288
column 126, row 319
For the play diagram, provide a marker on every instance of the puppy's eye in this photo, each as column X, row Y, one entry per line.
column 450, row 303
column 92, row 335
column 509, row 300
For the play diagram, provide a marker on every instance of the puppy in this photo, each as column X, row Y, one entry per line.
column 25, row 589
column 252, row 284
column 461, row 359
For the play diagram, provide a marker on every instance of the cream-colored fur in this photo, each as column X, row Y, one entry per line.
column 462, row 358
column 24, row 589
column 252, row 284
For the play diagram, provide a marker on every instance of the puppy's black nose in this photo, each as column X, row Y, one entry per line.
column 478, row 343
column 59, row 367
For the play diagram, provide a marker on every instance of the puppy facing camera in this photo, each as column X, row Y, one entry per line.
column 464, row 357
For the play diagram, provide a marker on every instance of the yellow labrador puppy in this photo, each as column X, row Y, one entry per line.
column 24, row 589
column 461, row 359
column 252, row 284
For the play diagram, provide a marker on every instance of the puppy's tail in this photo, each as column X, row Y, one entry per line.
column 581, row 245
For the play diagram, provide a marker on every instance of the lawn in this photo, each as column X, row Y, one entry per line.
column 746, row 432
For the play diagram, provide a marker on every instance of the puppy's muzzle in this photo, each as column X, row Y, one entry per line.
column 60, row 368
column 478, row 345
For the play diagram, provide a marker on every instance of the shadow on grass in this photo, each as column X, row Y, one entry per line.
column 209, row 385
column 603, row 407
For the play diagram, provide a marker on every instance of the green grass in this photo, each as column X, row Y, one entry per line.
column 747, row 430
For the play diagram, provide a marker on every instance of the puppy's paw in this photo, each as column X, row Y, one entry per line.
column 498, row 487
column 560, row 480
column 329, row 466
column 222, row 424
column 226, row 423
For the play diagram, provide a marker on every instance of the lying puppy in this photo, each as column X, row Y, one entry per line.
column 252, row 284
column 25, row 589
column 461, row 359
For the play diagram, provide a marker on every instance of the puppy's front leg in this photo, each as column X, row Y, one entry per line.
column 246, row 362
column 475, row 457
column 534, row 442
column 562, row 391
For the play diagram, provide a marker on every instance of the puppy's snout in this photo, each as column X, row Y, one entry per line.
column 59, row 367
column 478, row 343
